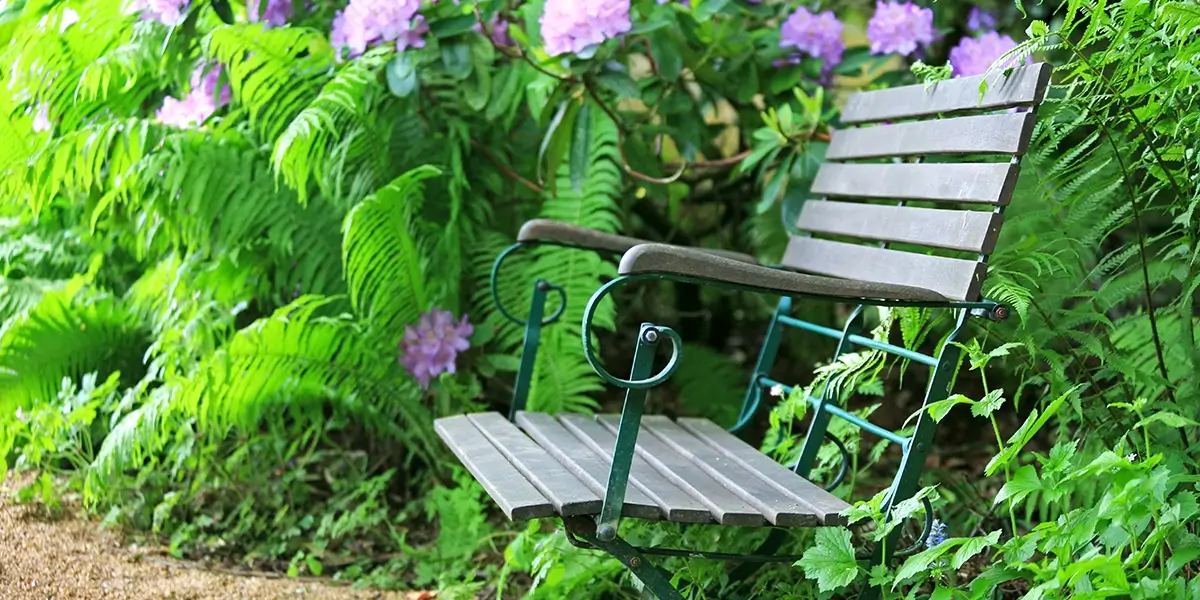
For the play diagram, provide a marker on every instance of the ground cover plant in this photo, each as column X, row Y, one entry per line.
column 246, row 249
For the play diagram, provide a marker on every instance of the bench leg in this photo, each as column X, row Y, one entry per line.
column 529, row 349
column 766, row 359
column 656, row 580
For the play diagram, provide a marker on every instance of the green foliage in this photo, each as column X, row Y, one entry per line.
column 201, row 327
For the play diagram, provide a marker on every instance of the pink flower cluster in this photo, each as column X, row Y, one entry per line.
column 899, row 28
column 378, row 22
column 432, row 346
column 818, row 36
column 275, row 14
column 973, row 56
column 573, row 25
column 167, row 12
column 200, row 103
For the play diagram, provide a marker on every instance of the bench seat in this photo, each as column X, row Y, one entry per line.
column 684, row 471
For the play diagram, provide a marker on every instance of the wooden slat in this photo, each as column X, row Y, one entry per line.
column 1025, row 86
column 954, row 278
column 727, row 507
column 984, row 134
column 824, row 505
column 778, row 506
column 507, row 487
column 967, row 230
column 986, row 183
column 678, row 505
column 583, row 463
column 569, row 496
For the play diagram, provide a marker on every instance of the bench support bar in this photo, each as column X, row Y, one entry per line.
column 655, row 579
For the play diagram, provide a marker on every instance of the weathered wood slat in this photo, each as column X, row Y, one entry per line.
column 727, row 507
column 507, row 487
column 1025, row 86
column 824, row 505
column 986, row 183
column 569, row 496
column 954, row 278
column 583, row 463
column 778, row 506
column 678, row 505
column 967, row 230
column 983, row 134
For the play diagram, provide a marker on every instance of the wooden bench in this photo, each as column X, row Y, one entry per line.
column 591, row 472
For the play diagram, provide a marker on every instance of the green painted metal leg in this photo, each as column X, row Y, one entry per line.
column 656, row 580
column 808, row 453
column 766, row 360
column 908, row 478
column 626, row 445
column 533, row 334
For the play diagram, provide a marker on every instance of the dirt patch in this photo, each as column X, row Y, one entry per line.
column 72, row 557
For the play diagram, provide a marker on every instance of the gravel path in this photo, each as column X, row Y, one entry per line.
column 72, row 558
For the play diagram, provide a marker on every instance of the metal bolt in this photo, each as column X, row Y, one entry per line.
column 543, row 285
column 606, row 533
column 650, row 337
column 635, row 562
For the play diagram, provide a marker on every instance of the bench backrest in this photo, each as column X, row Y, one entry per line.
column 906, row 124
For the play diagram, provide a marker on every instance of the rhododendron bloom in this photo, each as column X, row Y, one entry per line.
column 167, row 12
column 431, row 347
column 199, row 104
column 377, row 22
column 978, row 20
column 899, row 28
column 973, row 56
column 573, row 25
column 276, row 13
column 818, row 36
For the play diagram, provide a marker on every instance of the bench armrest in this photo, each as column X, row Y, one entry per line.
column 663, row 259
column 546, row 230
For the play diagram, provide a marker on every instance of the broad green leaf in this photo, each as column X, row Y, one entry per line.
column 1023, row 482
column 456, row 56
column 666, row 53
column 555, row 143
column 921, row 561
column 581, row 143
column 831, row 560
column 973, row 546
column 938, row 410
column 1169, row 419
column 402, row 75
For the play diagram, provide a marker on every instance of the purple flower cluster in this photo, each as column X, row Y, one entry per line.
column 200, row 103
column 818, row 36
column 899, row 28
column 276, row 13
column 979, row 21
column 377, row 22
column 973, row 56
column 432, row 346
column 572, row 25
column 167, row 12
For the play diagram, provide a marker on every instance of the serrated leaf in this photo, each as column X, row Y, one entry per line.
column 1023, row 482
column 990, row 404
column 973, row 546
column 921, row 561
column 1167, row 418
column 831, row 561
column 938, row 410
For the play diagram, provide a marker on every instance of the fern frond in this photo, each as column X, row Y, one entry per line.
column 383, row 261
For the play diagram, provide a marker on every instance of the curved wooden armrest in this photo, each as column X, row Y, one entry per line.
column 663, row 259
column 546, row 230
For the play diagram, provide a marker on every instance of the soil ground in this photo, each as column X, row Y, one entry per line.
column 73, row 558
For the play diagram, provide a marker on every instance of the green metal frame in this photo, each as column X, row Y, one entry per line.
column 602, row 533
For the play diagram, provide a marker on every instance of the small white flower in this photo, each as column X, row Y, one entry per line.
column 1132, row 457
column 777, row 390
column 20, row 414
